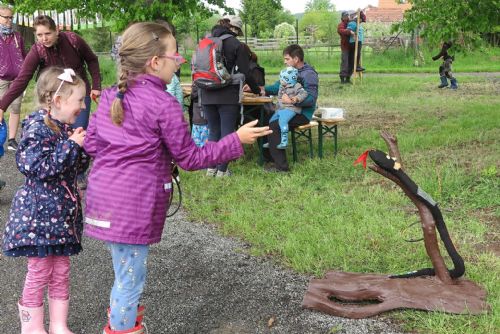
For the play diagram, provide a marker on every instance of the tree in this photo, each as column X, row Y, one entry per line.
column 461, row 21
column 263, row 16
column 319, row 5
column 122, row 12
column 321, row 24
column 284, row 30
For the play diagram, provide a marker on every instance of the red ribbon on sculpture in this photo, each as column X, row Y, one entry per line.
column 362, row 158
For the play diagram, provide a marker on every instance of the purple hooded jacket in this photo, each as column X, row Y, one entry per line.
column 130, row 182
column 12, row 55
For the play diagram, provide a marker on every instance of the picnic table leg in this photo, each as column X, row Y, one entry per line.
column 335, row 139
column 320, row 140
column 260, row 141
column 311, row 153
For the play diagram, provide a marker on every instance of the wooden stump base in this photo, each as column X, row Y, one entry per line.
column 355, row 295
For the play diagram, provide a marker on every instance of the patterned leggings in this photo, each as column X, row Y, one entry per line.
column 51, row 271
column 129, row 265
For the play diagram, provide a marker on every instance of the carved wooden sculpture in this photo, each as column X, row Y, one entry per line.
column 355, row 295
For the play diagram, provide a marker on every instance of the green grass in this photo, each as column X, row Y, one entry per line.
column 329, row 215
column 391, row 61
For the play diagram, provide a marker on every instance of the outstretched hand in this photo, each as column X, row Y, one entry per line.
column 248, row 133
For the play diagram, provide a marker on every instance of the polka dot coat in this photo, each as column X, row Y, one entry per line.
column 46, row 211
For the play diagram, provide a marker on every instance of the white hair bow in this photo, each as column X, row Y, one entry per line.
column 66, row 76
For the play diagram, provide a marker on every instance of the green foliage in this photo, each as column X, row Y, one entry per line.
column 321, row 25
column 284, row 30
column 99, row 39
column 377, row 29
column 462, row 21
column 263, row 16
column 123, row 12
column 319, row 5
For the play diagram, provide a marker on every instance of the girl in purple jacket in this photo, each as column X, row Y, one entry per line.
column 136, row 133
column 45, row 220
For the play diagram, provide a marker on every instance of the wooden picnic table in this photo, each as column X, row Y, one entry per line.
column 249, row 99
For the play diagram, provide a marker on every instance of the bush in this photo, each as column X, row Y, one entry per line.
column 99, row 39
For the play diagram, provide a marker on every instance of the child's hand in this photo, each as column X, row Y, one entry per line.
column 286, row 99
column 78, row 136
column 248, row 133
column 247, row 88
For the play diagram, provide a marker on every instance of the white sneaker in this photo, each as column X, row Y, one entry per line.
column 223, row 174
column 211, row 172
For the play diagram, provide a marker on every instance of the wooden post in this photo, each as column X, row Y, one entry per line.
column 355, row 65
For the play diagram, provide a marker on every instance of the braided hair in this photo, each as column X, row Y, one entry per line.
column 141, row 41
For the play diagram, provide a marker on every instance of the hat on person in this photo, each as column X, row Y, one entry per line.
column 236, row 22
column 289, row 75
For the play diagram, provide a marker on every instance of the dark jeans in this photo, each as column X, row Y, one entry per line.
column 221, row 122
column 83, row 119
column 279, row 156
column 352, row 47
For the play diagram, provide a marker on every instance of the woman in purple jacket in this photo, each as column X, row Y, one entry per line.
column 55, row 48
column 136, row 133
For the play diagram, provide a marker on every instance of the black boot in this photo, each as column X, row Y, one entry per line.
column 347, row 80
column 342, row 79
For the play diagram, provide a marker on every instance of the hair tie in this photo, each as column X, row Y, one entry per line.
column 120, row 95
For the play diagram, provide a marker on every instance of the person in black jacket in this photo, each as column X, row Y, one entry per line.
column 221, row 107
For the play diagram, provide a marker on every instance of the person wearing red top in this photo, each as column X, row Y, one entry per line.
column 12, row 53
column 344, row 47
column 54, row 48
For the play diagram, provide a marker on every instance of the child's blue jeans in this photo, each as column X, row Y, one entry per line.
column 129, row 265
column 283, row 116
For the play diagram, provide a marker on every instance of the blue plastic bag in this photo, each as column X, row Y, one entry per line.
column 3, row 136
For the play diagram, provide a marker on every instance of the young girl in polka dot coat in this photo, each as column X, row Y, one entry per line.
column 45, row 220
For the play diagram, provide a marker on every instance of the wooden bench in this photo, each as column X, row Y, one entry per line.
column 327, row 126
column 303, row 131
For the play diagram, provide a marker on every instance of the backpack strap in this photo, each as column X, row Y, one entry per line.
column 72, row 38
column 225, row 36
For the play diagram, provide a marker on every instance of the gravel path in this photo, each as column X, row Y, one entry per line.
column 199, row 282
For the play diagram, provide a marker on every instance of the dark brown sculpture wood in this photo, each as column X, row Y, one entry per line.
column 356, row 295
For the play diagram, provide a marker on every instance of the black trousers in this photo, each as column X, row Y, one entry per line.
column 352, row 47
column 279, row 156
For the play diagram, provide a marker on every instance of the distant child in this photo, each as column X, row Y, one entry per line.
column 45, row 219
column 445, row 69
column 134, row 136
column 286, row 111
column 352, row 25
column 199, row 130
column 175, row 89
column 3, row 137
